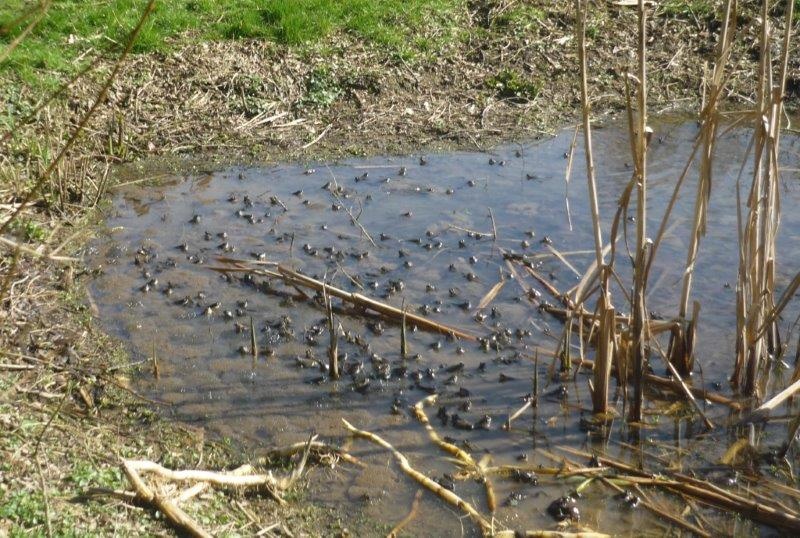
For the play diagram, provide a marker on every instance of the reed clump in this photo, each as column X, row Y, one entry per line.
column 625, row 345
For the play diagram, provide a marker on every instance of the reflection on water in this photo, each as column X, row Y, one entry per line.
column 432, row 220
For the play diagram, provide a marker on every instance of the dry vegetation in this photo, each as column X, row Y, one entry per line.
column 66, row 408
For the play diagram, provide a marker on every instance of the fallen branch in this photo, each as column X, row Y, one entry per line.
column 707, row 493
column 317, row 447
column 293, row 278
column 674, row 386
column 175, row 515
column 463, row 457
column 441, row 492
column 765, row 410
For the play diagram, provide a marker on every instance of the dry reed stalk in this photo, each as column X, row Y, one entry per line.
column 703, row 491
column 757, row 331
column 253, row 343
column 463, row 457
column 297, row 280
column 638, row 309
column 605, row 347
column 412, row 513
column 38, row 12
column 680, row 351
column 333, row 346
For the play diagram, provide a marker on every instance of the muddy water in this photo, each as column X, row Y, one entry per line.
column 432, row 220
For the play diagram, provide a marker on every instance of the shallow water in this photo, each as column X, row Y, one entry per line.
column 423, row 219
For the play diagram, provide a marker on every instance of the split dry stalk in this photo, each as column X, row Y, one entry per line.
column 638, row 328
column 757, row 331
column 681, row 353
column 171, row 511
column 333, row 346
column 606, row 347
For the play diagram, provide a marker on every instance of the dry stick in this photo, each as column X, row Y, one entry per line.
column 441, row 492
column 494, row 225
column 606, row 348
column 528, row 404
column 46, row 498
column 156, row 368
column 214, row 478
column 751, row 279
column 670, row 384
column 638, row 312
column 297, row 279
column 39, row 253
column 464, row 457
column 705, row 492
column 593, row 471
column 786, row 296
column 403, row 334
column 200, row 487
column 333, row 347
column 491, row 294
column 412, row 513
column 764, row 410
column 172, row 512
column 686, row 391
column 679, row 347
column 563, row 260
column 568, row 173
column 562, row 298
column 315, row 446
column 28, row 198
column 552, row 534
column 659, row 512
column 357, row 223
column 253, row 342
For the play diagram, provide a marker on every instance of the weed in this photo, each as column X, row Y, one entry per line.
column 511, row 84
column 86, row 474
column 28, row 230
column 322, row 89
column 23, row 508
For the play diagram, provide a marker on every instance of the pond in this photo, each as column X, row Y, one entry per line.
column 430, row 233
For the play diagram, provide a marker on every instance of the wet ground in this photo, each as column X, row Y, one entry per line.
column 433, row 220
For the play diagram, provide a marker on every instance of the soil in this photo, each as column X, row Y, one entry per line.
column 66, row 410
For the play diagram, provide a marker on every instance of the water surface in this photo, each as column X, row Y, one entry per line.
column 432, row 219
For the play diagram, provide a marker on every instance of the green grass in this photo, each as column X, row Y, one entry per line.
column 73, row 27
